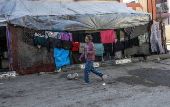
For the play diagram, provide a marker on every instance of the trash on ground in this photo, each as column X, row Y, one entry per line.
column 72, row 76
column 158, row 59
column 8, row 74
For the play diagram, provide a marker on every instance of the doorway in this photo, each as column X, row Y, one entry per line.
column 4, row 64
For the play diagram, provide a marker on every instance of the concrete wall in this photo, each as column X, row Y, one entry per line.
column 168, row 3
column 167, row 31
column 142, row 2
column 144, row 5
column 164, row 20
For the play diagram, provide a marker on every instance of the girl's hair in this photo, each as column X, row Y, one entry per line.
column 89, row 37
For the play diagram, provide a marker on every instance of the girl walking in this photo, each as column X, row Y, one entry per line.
column 89, row 54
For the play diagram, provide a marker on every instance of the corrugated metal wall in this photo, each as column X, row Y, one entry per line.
column 27, row 58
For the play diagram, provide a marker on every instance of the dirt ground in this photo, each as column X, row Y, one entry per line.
column 142, row 84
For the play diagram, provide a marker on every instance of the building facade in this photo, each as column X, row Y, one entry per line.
column 162, row 11
column 142, row 5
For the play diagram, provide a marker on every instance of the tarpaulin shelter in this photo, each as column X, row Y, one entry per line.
column 3, row 21
column 59, row 16
column 71, row 16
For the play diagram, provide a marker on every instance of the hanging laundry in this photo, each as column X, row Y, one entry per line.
column 107, row 57
column 128, row 31
column 116, row 36
column 66, row 36
column 109, row 51
column 61, row 57
column 132, row 42
column 108, row 48
column 155, row 38
column 8, row 34
column 67, row 45
column 39, row 40
column 99, row 49
column 163, row 35
column 71, row 58
column 161, row 27
column 98, row 58
column 107, row 36
column 161, row 49
column 81, row 48
column 82, row 37
column 53, row 43
column 117, row 32
column 53, row 34
column 119, row 46
column 76, row 55
column 59, row 31
column 76, row 46
column 143, row 39
column 75, row 37
column 122, row 34
column 79, row 37
column 96, row 37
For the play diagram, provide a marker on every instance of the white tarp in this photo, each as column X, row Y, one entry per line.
column 3, row 21
column 72, row 16
column 2, row 18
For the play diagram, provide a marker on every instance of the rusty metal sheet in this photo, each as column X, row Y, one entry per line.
column 27, row 58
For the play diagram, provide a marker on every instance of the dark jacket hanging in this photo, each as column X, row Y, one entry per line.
column 53, row 43
column 67, row 45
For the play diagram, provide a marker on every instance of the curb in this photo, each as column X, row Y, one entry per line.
column 111, row 63
column 114, row 62
column 102, row 64
column 82, row 66
column 154, row 57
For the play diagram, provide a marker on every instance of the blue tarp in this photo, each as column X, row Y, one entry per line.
column 61, row 57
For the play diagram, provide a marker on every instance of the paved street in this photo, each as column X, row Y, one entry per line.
column 142, row 84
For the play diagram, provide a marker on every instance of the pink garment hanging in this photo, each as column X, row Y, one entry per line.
column 66, row 36
column 107, row 36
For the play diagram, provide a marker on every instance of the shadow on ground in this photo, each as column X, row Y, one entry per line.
column 147, row 77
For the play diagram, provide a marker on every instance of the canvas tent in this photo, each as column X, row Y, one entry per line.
column 71, row 16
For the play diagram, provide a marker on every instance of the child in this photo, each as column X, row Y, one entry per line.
column 89, row 54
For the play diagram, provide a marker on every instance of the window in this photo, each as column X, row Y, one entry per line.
column 162, row 7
